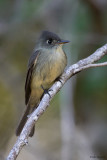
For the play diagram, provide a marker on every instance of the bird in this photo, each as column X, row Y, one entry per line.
column 45, row 66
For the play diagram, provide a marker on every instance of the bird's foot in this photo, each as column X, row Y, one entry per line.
column 59, row 79
column 46, row 91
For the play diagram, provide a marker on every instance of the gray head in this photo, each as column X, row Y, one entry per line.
column 49, row 40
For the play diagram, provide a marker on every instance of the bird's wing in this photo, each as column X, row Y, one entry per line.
column 31, row 65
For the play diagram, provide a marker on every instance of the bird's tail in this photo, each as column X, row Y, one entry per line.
column 23, row 120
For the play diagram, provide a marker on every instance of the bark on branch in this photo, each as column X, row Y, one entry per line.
column 70, row 71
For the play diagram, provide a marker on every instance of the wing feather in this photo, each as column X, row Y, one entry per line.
column 31, row 64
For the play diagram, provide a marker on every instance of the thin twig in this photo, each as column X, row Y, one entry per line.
column 95, row 65
column 72, row 70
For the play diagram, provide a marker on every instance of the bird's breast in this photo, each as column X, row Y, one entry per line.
column 49, row 67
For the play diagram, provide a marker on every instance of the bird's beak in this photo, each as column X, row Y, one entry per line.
column 62, row 42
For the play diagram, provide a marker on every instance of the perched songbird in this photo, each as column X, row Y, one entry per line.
column 45, row 65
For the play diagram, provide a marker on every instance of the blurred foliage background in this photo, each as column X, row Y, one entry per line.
column 75, row 125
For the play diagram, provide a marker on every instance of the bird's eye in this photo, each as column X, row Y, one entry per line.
column 49, row 41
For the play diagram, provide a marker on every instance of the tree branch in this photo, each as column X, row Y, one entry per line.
column 70, row 71
column 94, row 65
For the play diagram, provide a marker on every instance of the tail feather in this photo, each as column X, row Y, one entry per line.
column 23, row 121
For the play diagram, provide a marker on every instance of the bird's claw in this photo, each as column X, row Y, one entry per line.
column 46, row 91
column 59, row 79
